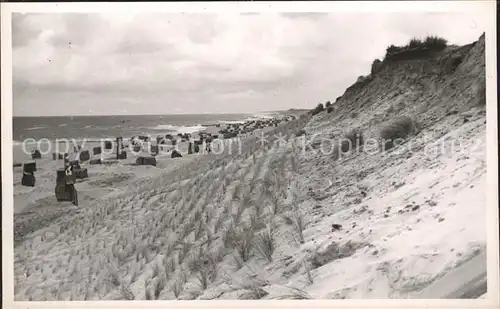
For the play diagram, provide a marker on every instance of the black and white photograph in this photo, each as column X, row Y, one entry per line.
column 293, row 151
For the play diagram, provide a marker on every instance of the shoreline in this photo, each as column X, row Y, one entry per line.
column 110, row 164
column 161, row 130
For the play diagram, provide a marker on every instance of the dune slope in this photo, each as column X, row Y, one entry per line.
column 287, row 218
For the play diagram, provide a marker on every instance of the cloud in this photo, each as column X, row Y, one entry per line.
column 167, row 62
column 22, row 31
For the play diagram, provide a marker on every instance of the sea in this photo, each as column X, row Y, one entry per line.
column 45, row 133
column 99, row 127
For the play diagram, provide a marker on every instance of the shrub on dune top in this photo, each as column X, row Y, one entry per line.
column 435, row 42
column 414, row 43
column 319, row 108
column 376, row 66
column 415, row 48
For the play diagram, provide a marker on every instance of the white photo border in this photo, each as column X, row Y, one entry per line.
column 488, row 8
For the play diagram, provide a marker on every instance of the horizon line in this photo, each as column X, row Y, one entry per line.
column 158, row 114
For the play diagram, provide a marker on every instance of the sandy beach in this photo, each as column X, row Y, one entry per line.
column 108, row 179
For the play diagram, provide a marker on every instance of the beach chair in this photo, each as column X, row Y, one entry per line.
column 145, row 161
column 57, row 156
column 137, row 148
column 175, row 154
column 65, row 189
column 28, row 180
column 84, row 156
column 133, row 140
column 80, row 173
column 29, row 167
column 153, row 150
column 35, row 154
column 122, row 155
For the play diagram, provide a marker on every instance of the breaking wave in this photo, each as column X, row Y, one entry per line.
column 180, row 129
column 34, row 128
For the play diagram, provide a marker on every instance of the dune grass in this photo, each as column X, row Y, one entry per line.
column 171, row 233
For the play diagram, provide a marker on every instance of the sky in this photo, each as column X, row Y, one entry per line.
column 193, row 63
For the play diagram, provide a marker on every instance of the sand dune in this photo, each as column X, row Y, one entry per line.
column 280, row 219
